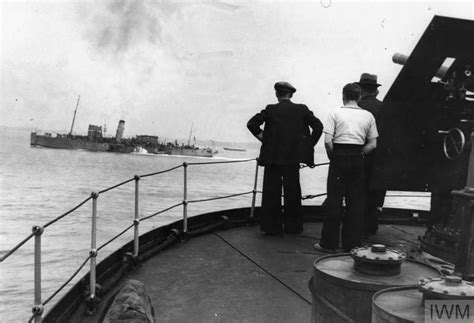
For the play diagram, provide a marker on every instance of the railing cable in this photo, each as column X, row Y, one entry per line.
column 162, row 171
column 221, row 162
column 95, row 195
column 17, row 247
column 67, row 281
column 68, row 212
column 162, row 211
column 315, row 165
column 117, row 236
column 115, row 186
column 219, row 197
column 401, row 195
column 310, row 196
column 306, row 197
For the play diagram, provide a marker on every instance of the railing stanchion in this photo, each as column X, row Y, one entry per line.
column 38, row 307
column 93, row 252
column 185, row 199
column 136, row 221
column 254, row 192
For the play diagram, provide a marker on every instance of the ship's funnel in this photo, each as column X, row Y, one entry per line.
column 120, row 129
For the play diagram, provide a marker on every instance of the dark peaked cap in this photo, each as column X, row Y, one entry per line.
column 284, row 87
column 368, row 79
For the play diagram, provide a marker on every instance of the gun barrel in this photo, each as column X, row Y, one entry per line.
column 398, row 58
column 401, row 59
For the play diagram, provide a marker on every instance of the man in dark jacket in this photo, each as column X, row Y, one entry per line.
column 286, row 141
column 375, row 197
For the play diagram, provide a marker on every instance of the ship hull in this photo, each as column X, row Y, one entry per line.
column 234, row 149
column 63, row 142
column 194, row 152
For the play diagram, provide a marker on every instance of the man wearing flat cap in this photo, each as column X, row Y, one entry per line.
column 286, row 142
column 375, row 197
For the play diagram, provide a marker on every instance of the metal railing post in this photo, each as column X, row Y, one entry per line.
column 38, row 307
column 93, row 252
column 254, row 192
column 185, row 199
column 136, row 221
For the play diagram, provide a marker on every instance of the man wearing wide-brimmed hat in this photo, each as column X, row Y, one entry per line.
column 375, row 197
column 286, row 142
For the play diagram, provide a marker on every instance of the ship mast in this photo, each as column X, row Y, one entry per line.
column 74, row 118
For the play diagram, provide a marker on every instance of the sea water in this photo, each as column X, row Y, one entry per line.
column 40, row 184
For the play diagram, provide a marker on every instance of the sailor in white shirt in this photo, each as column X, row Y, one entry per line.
column 350, row 133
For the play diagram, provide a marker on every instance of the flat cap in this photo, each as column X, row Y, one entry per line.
column 284, row 87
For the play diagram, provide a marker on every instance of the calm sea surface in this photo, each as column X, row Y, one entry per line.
column 39, row 184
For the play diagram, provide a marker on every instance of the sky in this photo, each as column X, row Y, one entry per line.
column 166, row 66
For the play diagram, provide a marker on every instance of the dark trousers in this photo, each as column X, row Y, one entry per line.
column 375, row 198
column 273, row 219
column 346, row 179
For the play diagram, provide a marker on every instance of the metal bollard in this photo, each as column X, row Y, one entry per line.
column 185, row 199
column 254, row 192
column 93, row 252
column 38, row 307
column 136, row 221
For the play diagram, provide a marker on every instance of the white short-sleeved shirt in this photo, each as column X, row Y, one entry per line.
column 351, row 125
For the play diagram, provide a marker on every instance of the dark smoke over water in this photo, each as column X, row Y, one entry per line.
column 118, row 25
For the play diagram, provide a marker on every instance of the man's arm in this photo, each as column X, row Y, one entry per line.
column 255, row 122
column 370, row 145
column 316, row 127
column 328, row 144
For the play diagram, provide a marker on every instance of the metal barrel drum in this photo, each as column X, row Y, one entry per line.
column 342, row 285
column 407, row 304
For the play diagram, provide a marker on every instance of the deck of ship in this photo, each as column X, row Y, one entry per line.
column 241, row 275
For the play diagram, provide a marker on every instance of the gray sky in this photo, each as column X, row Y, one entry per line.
column 164, row 65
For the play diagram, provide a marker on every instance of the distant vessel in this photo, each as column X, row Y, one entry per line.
column 189, row 149
column 94, row 141
column 234, row 149
column 62, row 141
column 186, row 150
